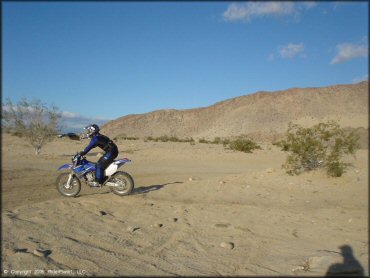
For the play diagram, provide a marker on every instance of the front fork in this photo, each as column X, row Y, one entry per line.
column 70, row 177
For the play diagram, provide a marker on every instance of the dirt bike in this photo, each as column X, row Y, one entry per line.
column 69, row 184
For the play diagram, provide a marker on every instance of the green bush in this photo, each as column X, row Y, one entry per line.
column 321, row 146
column 242, row 144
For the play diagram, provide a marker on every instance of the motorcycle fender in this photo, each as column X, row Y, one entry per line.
column 112, row 168
column 65, row 166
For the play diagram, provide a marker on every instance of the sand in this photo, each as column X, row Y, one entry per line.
column 197, row 210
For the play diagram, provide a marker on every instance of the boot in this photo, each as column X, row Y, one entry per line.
column 94, row 184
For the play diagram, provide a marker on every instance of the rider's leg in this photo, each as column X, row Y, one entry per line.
column 102, row 164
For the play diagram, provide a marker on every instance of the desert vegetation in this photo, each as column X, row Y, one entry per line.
column 216, row 140
column 32, row 120
column 240, row 143
column 243, row 144
column 125, row 137
column 321, row 146
column 166, row 138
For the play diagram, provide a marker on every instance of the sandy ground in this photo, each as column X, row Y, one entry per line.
column 196, row 210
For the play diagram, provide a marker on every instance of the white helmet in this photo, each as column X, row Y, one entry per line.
column 89, row 131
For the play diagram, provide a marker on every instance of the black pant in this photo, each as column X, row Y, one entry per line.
column 103, row 164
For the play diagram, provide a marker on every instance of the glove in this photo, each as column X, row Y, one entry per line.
column 80, row 153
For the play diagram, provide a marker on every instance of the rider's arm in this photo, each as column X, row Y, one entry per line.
column 90, row 146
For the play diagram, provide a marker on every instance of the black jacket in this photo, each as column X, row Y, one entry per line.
column 103, row 142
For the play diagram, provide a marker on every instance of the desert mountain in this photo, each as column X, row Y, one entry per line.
column 262, row 115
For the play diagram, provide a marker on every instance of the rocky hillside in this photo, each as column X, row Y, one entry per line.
column 262, row 115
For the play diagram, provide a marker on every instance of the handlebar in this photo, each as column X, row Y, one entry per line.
column 76, row 158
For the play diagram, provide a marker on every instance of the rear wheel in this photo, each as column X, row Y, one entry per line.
column 69, row 191
column 124, row 183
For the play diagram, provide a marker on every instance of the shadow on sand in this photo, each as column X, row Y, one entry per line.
column 350, row 267
column 136, row 191
column 146, row 189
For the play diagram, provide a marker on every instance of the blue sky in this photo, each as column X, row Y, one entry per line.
column 102, row 60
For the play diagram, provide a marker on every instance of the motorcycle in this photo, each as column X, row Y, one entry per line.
column 69, row 184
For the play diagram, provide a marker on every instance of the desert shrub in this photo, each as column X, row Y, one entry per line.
column 203, row 141
column 148, row 138
column 119, row 136
column 188, row 140
column 217, row 140
column 282, row 144
column 17, row 134
column 174, row 139
column 321, row 146
column 226, row 142
column 242, row 144
column 31, row 120
column 125, row 137
column 223, row 141
column 166, row 138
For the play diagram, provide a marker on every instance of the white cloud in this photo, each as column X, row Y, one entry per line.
column 360, row 79
column 67, row 114
column 309, row 4
column 76, row 122
column 249, row 10
column 349, row 51
column 290, row 50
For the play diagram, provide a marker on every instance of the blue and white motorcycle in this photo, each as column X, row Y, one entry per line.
column 69, row 184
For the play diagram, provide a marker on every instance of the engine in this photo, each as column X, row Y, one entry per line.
column 90, row 176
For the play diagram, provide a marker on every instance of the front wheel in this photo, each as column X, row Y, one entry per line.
column 70, row 190
column 124, row 183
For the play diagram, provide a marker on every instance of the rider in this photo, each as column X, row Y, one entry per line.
column 103, row 142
